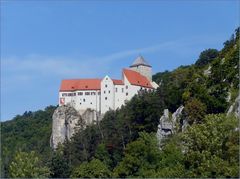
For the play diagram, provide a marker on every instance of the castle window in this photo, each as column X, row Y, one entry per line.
column 87, row 93
column 127, row 87
column 126, row 94
column 105, row 86
column 80, row 93
column 116, row 89
column 109, row 91
column 80, row 103
column 122, row 89
column 106, row 78
column 105, row 98
column 84, row 100
column 104, row 92
column 91, row 103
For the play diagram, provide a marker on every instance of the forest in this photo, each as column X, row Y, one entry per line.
column 124, row 143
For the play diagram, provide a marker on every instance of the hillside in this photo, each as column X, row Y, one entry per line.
column 27, row 132
column 124, row 143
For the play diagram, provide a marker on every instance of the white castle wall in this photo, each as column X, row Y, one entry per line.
column 107, row 94
column 82, row 99
column 119, row 95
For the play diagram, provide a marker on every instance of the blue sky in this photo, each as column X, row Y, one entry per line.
column 43, row 42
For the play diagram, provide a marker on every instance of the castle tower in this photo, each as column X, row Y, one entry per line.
column 142, row 67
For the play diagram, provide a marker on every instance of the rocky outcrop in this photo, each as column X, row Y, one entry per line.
column 66, row 120
column 168, row 124
column 235, row 107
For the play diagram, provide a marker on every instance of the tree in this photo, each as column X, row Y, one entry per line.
column 94, row 169
column 194, row 110
column 212, row 148
column 59, row 165
column 140, row 159
column 103, row 155
column 206, row 57
column 27, row 165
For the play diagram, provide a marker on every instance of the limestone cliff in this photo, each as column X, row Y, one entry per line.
column 168, row 124
column 66, row 120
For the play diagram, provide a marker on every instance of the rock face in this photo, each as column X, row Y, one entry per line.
column 235, row 107
column 66, row 120
column 168, row 124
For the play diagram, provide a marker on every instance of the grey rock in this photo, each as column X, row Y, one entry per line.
column 207, row 72
column 168, row 125
column 67, row 120
column 235, row 107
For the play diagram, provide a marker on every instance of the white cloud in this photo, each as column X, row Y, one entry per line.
column 36, row 66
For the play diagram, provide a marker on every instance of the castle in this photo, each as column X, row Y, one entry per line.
column 104, row 94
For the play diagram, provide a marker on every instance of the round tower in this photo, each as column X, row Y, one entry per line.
column 142, row 67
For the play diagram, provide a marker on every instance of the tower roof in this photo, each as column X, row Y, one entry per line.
column 140, row 61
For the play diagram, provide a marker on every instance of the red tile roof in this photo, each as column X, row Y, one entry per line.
column 118, row 82
column 136, row 78
column 80, row 84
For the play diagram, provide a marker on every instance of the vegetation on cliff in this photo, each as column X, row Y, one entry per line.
column 124, row 143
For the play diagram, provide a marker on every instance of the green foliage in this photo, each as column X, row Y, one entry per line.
column 59, row 165
column 94, row 169
column 121, row 144
column 212, row 148
column 171, row 163
column 194, row 111
column 140, row 159
column 103, row 155
column 206, row 57
column 28, row 132
column 27, row 165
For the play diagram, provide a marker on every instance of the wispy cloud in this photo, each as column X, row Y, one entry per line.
column 37, row 66
column 65, row 66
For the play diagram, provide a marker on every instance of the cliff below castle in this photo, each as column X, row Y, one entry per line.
column 66, row 120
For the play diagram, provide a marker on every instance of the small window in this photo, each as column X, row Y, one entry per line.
column 99, row 93
column 80, row 103
column 93, row 93
column 105, row 86
column 127, row 87
column 87, row 93
column 106, row 78
column 104, row 92
column 122, row 89
column 105, row 98
column 126, row 94
column 109, row 91
column 74, row 94
column 84, row 100
column 91, row 103
column 80, row 93
column 116, row 89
